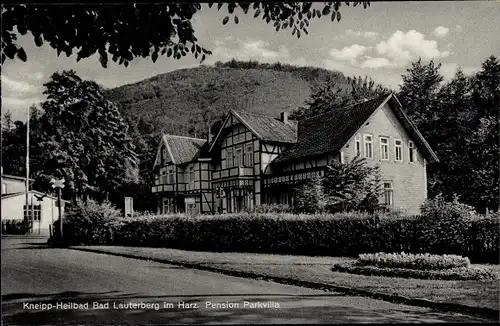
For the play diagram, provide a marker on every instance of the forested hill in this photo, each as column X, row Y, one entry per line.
column 185, row 101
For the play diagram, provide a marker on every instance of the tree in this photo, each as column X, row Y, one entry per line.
column 127, row 31
column 13, row 146
column 419, row 93
column 324, row 97
column 351, row 186
column 310, row 196
column 85, row 140
column 483, row 143
column 366, row 87
column 459, row 119
column 329, row 95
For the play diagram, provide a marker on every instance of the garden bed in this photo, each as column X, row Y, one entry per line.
column 451, row 274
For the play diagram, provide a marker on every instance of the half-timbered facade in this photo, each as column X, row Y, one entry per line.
column 256, row 159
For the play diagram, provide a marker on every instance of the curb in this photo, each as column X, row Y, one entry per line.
column 443, row 306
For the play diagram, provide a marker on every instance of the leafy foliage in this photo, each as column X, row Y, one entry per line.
column 13, row 226
column 351, row 186
column 411, row 261
column 310, row 197
column 341, row 234
column 269, row 208
column 151, row 30
column 83, row 138
column 89, row 222
column 460, row 121
column 329, row 95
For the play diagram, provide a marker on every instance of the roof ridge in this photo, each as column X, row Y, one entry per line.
column 185, row 137
column 347, row 106
column 258, row 114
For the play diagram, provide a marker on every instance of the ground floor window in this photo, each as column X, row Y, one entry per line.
column 168, row 206
column 35, row 209
column 388, row 193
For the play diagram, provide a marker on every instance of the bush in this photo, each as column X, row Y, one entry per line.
column 456, row 274
column 90, row 222
column 14, row 226
column 269, row 208
column 455, row 228
column 412, row 261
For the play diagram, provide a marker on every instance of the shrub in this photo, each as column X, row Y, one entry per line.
column 14, row 226
column 455, row 228
column 412, row 261
column 90, row 222
column 269, row 208
column 456, row 274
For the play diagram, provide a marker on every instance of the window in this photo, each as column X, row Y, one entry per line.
column 230, row 158
column 384, row 148
column 358, row 145
column 4, row 188
column 342, row 157
column 191, row 174
column 170, row 176
column 167, row 205
column 36, row 209
column 238, row 156
column 411, row 152
column 163, row 179
column 388, row 193
column 249, row 155
column 368, row 146
column 398, row 150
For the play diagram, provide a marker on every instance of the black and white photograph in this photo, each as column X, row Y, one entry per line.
column 250, row 162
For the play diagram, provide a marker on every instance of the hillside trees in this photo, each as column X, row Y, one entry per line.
column 127, row 31
column 84, row 138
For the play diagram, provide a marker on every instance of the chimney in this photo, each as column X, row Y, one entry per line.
column 210, row 135
column 284, row 117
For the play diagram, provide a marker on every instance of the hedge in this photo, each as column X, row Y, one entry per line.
column 412, row 261
column 342, row 234
column 456, row 274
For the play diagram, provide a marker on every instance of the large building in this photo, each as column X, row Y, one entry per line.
column 256, row 159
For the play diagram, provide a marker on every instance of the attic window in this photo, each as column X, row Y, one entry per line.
column 411, row 152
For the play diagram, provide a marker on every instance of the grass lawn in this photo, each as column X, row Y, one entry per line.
column 318, row 269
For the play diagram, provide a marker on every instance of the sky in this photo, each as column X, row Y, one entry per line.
column 380, row 41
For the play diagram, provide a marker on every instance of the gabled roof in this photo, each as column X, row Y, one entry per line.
column 15, row 194
column 264, row 127
column 13, row 177
column 330, row 131
column 181, row 149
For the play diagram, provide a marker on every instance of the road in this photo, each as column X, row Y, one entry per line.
column 34, row 276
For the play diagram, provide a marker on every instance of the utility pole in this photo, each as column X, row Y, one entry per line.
column 27, row 210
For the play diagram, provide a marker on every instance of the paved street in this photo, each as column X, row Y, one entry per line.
column 35, row 277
